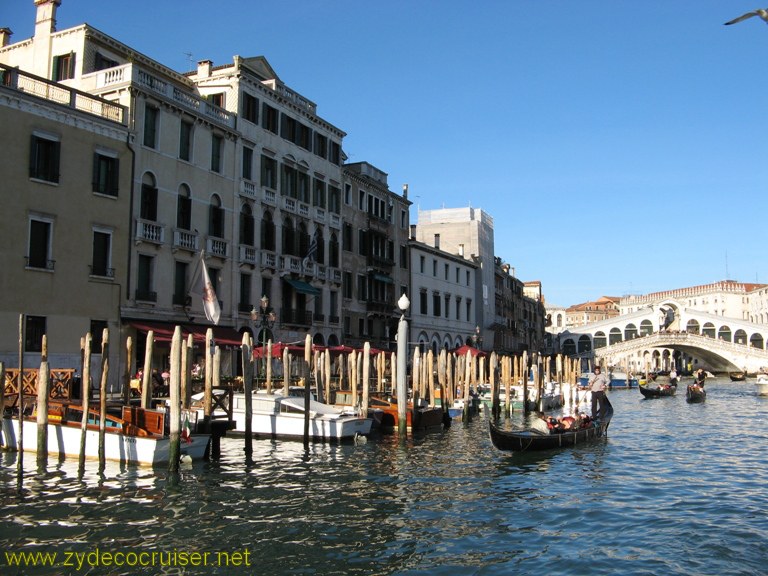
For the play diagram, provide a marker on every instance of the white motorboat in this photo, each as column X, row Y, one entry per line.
column 277, row 416
column 762, row 384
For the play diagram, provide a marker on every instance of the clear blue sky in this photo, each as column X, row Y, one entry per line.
column 621, row 147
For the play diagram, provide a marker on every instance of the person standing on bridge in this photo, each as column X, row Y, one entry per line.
column 597, row 384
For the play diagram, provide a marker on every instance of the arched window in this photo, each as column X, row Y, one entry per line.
column 724, row 333
column 289, row 238
column 599, row 339
column 184, row 208
column 247, row 226
column 646, row 328
column 267, row 232
column 148, row 209
column 333, row 251
column 320, row 254
column 303, row 244
column 216, row 218
column 614, row 336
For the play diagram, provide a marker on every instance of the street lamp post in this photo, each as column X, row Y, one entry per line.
column 402, row 366
column 477, row 340
column 264, row 318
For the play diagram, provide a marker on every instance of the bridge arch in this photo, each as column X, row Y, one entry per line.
column 599, row 340
column 740, row 336
column 708, row 330
column 614, row 336
column 646, row 327
column 693, row 326
column 724, row 333
column 630, row 331
column 585, row 344
column 756, row 340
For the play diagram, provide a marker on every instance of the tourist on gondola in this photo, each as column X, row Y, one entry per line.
column 598, row 382
column 700, row 376
column 673, row 377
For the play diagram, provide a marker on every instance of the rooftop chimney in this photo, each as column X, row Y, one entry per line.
column 5, row 36
column 204, row 68
column 45, row 19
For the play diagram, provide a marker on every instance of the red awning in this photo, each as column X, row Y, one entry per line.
column 277, row 349
column 462, row 351
column 163, row 332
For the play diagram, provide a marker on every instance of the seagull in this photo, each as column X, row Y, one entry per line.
column 759, row 12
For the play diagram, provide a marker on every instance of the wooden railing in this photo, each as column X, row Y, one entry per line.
column 60, row 383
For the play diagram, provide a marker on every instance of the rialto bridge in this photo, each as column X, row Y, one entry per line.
column 663, row 336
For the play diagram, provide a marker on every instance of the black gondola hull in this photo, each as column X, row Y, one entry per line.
column 695, row 394
column 658, row 392
column 522, row 440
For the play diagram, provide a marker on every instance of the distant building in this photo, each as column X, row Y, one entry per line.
column 375, row 261
column 443, row 292
column 728, row 298
column 601, row 309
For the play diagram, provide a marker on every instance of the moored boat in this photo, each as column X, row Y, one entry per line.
column 138, row 436
column 278, row 416
column 533, row 439
column 418, row 418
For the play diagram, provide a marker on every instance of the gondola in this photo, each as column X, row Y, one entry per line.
column 659, row 391
column 737, row 376
column 695, row 393
column 530, row 439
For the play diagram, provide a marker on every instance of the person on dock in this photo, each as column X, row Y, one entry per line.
column 597, row 383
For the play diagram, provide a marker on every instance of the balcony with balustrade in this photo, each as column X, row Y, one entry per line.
column 149, row 231
column 217, row 247
column 268, row 260
column 126, row 75
column 185, row 240
column 248, row 255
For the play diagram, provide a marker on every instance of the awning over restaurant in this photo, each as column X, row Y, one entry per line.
column 303, row 287
column 163, row 332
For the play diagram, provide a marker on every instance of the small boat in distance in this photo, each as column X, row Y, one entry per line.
column 737, row 376
column 533, row 439
column 762, row 384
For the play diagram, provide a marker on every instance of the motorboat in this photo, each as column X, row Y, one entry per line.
column 762, row 384
column 137, row 436
column 279, row 416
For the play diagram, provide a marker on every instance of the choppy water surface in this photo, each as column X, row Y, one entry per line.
column 675, row 489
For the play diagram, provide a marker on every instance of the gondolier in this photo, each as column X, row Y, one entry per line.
column 597, row 384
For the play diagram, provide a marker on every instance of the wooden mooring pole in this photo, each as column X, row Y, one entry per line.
column 43, row 386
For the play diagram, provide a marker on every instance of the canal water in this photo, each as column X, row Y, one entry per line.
column 676, row 488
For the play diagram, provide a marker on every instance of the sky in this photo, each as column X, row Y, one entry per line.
column 620, row 147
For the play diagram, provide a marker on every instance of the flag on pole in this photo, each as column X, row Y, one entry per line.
column 311, row 253
column 186, row 430
column 210, row 301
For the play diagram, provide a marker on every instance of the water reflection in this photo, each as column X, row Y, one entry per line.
column 444, row 502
